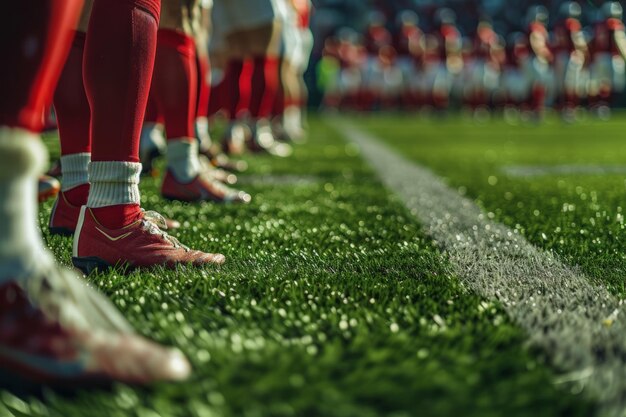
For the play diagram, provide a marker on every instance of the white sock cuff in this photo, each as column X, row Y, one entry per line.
column 113, row 183
column 182, row 158
column 21, row 153
column 181, row 148
column 75, row 168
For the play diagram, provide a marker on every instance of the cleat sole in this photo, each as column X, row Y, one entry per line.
column 60, row 231
column 91, row 263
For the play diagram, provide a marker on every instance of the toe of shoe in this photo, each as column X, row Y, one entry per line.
column 202, row 258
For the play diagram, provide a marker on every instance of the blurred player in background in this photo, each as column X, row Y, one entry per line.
column 179, row 89
column 450, row 65
column 608, row 53
column 376, row 39
column 516, row 80
column 409, row 45
column 486, row 68
column 251, row 29
column 540, row 58
column 571, row 54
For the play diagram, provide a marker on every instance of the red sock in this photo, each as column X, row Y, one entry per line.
column 35, row 38
column 118, row 63
column 216, row 98
column 231, row 86
column 116, row 217
column 119, row 57
column 204, row 85
column 245, row 89
column 77, row 196
column 265, row 79
column 280, row 102
column 175, row 82
column 70, row 102
column 153, row 113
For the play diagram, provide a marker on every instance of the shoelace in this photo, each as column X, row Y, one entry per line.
column 154, row 223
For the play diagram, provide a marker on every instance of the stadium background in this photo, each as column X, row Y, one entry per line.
column 507, row 16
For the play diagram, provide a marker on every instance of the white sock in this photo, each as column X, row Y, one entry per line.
column 113, row 183
column 182, row 159
column 75, row 170
column 22, row 159
column 202, row 132
column 151, row 138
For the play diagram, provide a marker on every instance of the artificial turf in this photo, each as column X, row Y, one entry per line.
column 577, row 214
column 332, row 303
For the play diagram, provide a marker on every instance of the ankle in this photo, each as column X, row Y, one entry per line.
column 77, row 196
column 118, row 216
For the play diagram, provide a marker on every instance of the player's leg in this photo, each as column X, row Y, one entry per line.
column 175, row 88
column 112, row 229
column 73, row 118
column 255, row 31
column 62, row 331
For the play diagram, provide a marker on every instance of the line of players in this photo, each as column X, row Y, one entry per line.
column 526, row 71
column 114, row 70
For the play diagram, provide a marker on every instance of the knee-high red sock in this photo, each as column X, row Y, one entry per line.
column 204, row 85
column 231, row 86
column 34, row 42
column 70, row 102
column 265, row 79
column 216, row 98
column 73, row 114
column 280, row 101
column 153, row 114
column 119, row 57
column 175, row 82
column 118, row 63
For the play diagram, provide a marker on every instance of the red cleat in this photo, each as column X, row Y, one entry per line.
column 48, row 188
column 201, row 188
column 141, row 244
column 56, row 330
column 55, row 169
column 64, row 218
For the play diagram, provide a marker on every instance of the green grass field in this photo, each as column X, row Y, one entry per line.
column 334, row 303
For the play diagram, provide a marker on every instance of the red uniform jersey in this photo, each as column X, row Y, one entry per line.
column 303, row 9
column 516, row 54
column 407, row 41
column 376, row 38
column 539, row 30
column 485, row 40
column 449, row 37
column 604, row 36
column 564, row 34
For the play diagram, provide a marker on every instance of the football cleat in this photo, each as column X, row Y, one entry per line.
column 48, row 187
column 222, row 161
column 141, row 244
column 263, row 141
column 234, row 141
column 56, row 330
column 64, row 218
column 55, row 169
column 201, row 188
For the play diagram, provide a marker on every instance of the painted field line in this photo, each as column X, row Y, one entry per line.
column 579, row 325
column 531, row 171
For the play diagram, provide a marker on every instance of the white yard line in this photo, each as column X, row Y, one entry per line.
column 531, row 171
column 579, row 325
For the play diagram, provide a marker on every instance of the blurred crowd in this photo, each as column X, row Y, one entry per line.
column 481, row 56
